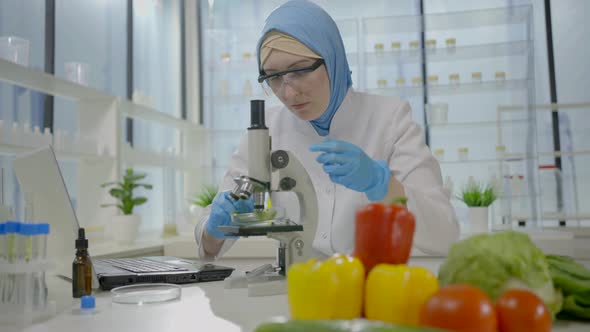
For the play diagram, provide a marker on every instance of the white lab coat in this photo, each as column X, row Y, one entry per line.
column 383, row 128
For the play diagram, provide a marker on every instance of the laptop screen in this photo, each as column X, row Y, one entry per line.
column 39, row 175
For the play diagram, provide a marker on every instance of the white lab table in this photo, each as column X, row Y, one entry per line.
column 203, row 307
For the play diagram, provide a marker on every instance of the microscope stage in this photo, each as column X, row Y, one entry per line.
column 261, row 228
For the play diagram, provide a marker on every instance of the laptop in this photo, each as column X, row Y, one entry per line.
column 38, row 172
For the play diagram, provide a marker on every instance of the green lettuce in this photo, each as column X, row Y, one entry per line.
column 500, row 261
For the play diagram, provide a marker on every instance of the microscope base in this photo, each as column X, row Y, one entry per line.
column 265, row 284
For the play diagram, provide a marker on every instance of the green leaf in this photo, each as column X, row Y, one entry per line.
column 400, row 200
column 206, row 196
column 117, row 193
column 134, row 177
column 139, row 200
column 123, row 191
column 475, row 194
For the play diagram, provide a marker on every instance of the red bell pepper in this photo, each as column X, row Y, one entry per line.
column 383, row 234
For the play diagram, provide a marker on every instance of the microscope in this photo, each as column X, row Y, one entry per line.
column 273, row 171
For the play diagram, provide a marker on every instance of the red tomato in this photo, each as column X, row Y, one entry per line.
column 462, row 308
column 521, row 310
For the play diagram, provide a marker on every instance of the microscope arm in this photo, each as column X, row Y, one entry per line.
column 288, row 174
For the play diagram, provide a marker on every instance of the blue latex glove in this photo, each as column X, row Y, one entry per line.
column 221, row 210
column 349, row 165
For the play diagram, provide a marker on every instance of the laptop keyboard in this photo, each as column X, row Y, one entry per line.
column 140, row 265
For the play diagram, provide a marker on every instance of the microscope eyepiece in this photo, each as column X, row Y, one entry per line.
column 257, row 115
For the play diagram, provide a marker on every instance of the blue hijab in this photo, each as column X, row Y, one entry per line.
column 312, row 26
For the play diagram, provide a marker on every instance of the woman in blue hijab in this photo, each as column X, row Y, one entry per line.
column 356, row 147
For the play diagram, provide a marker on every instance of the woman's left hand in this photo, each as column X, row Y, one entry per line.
column 348, row 165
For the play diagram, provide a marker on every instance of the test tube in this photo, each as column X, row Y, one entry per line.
column 2, row 260
column 11, row 228
column 40, row 242
column 9, row 287
column 25, row 283
column 3, row 243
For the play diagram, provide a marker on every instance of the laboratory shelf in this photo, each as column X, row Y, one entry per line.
column 574, row 153
column 40, row 81
column 546, row 107
column 251, row 65
column 236, row 99
column 450, row 21
column 138, row 111
column 11, row 149
column 482, row 161
column 443, row 54
column 47, row 83
column 454, row 89
column 475, row 124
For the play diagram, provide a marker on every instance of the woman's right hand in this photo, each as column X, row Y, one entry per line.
column 221, row 209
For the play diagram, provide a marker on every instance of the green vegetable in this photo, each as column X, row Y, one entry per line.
column 500, row 261
column 574, row 281
column 356, row 325
column 266, row 214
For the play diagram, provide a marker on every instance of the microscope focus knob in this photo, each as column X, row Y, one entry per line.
column 299, row 246
column 287, row 183
column 279, row 159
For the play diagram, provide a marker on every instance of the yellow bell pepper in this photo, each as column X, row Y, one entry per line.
column 330, row 289
column 396, row 293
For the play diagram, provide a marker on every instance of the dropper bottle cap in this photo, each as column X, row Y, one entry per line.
column 81, row 241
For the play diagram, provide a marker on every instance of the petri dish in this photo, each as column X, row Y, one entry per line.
column 274, row 213
column 141, row 294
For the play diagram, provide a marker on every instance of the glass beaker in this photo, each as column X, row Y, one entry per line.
column 77, row 72
column 15, row 49
column 551, row 200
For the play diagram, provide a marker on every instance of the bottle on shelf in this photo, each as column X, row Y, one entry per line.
column 16, row 136
column 437, row 113
column 27, row 136
column 379, row 48
column 431, row 44
column 47, row 137
column 451, row 44
column 476, row 77
column 463, row 154
column 439, row 154
column 500, row 77
column 414, row 46
column 433, row 79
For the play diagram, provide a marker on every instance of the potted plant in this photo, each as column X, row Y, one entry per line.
column 202, row 199
column 125, row 227
column 478, row 198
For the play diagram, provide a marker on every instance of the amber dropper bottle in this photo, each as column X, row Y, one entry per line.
column 81, row 268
